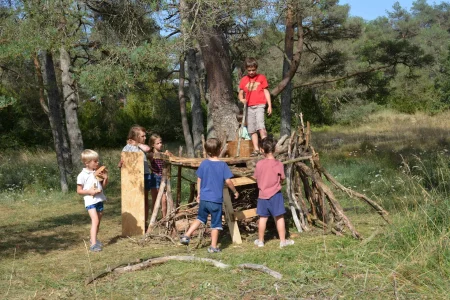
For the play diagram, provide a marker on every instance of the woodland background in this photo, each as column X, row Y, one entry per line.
column 78, row 74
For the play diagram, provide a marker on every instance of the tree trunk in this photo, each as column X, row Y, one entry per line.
column 221, row 106
column 54, row 116
column 286, row 95
column 70, row 109
column 195, row 96
column 184, row 120
column 295, row 61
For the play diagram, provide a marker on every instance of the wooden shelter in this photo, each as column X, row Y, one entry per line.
column 310, row 200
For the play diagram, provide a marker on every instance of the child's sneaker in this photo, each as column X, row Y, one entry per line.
column 99, row 243
column 255, row 153
column 211, row 249
column 95, row 248
column 259, row 243
column 185, row 240
column 286, row 243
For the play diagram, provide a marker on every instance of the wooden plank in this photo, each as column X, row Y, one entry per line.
column 239, row 181
column 241, row 215
column 229, row 217
column 132, row 190
column 178, row 187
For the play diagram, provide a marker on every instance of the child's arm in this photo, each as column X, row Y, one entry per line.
column 269, row 102
column 143, row 147
column 241, row 96
column 232, row 188
column 104, row 174
column 198, row 188
column 92, row 191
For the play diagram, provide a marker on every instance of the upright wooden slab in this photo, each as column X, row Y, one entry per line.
column 132, row 178
column 229, row 217
column 246, row 148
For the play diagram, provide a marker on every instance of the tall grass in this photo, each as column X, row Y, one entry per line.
column 44, row 257
column 420, row 239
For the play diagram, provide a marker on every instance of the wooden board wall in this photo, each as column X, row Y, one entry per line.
column 132, row 182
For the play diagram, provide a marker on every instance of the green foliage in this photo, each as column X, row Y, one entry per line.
column 6, row 101
column 355, row 113
column 316, row 108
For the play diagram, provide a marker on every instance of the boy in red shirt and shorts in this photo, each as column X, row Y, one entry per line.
column 253, row 91
column 269, row 174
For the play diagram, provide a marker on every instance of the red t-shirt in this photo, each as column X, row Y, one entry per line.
column 268, row 174
column 254, row 89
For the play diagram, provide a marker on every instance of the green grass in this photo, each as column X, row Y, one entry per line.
column 43, row 232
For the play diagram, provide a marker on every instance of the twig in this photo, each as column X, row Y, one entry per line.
column 92, row 270
column 395, row 286
column 149, row 235
column 12, row 272
column 161, row 260
column 261, row 268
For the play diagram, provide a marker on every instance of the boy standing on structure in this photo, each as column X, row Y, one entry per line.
column 253, row 91
column 269, row 174
column 91, row 188
column 211, row 174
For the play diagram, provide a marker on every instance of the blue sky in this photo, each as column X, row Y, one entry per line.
column 371, row 9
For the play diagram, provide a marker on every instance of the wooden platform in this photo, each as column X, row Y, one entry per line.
column 194, row 163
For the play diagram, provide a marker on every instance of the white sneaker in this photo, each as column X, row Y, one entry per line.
column 286, row 243
column 259, row 243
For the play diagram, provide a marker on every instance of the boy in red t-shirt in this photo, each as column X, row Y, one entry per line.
column 269, row 174
column 253, row 90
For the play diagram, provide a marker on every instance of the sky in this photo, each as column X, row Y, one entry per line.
column 371, row 9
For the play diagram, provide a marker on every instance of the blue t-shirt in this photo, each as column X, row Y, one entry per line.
column 212, row 175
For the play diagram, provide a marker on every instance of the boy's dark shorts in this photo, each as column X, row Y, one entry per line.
column 210, row 208
column 98, row 206
column 271, row 207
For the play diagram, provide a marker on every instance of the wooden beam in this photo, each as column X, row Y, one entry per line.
column 229, row 216
column 239, row 181
column 242, row 215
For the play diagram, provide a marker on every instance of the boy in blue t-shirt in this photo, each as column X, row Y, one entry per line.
column 211, row 174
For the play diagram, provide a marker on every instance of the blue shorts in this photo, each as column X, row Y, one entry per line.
column 147, row 181
column 155, row 181
column 271, row 207
column 98, row 206
column 210, row 208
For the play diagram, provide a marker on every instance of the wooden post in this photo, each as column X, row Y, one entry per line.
column 162, row 187
column 132, row 193
column 229, row 217
column 178, row 187
column 238, row 153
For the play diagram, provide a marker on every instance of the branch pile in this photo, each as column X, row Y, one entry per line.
column 311, row 201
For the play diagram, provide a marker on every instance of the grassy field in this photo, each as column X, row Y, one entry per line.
column 401, row 161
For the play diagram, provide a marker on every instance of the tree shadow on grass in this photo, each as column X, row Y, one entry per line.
column 42, row 236
column 49, row 234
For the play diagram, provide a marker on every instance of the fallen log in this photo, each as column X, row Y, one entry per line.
column 129, row 267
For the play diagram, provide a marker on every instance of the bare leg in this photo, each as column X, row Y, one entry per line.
column 146, row 205
column 95, row 222
column 255, row 141
column 164, row 205
column 263, row 133
column 281, row 227
column 193, row 227
column 262, row 228
column 154, row 192
column 214, row 237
